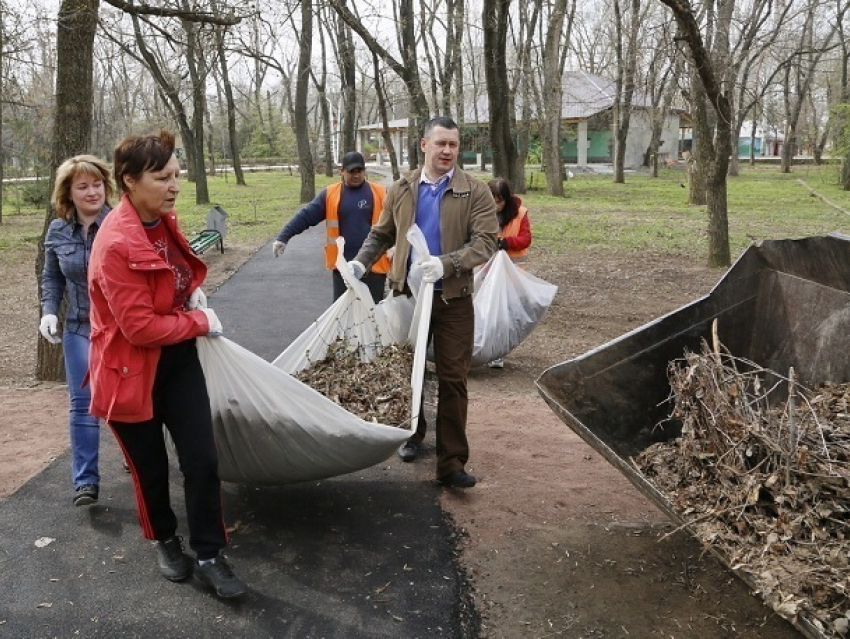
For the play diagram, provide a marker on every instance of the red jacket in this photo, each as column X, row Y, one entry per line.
column 132, row 292
column 517, row 233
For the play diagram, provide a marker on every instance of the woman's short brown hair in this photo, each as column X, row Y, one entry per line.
column 65, row 174
column 136, row 154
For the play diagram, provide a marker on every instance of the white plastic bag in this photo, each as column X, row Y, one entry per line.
column 509, row 302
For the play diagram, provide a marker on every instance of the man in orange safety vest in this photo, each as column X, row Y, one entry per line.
column 349, row 208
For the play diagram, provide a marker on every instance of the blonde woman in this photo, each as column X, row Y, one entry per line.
column 81, row 201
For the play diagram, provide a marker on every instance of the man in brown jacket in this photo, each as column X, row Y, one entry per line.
column 457, row 215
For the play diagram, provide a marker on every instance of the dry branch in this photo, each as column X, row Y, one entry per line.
column 762, row 479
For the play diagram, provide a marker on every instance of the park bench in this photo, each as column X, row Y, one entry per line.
column 213, row 234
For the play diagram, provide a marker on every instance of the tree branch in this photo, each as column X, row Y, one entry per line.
column 163, row 12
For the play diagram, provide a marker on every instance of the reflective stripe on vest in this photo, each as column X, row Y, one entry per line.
column 333, row 195
column 512, row 230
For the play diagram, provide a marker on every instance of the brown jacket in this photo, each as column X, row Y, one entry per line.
column 468, row 230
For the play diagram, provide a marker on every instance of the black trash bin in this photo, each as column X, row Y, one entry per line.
column 784, row 303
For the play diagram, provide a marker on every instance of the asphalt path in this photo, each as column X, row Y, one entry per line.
column 367, row 554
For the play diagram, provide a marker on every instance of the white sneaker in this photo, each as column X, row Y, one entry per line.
column 497, row 363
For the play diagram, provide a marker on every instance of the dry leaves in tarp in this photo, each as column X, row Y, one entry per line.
column 763, row 479
column 376, row 391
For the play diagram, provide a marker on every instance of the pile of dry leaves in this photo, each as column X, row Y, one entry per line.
column 376, row 391
column 761, row 473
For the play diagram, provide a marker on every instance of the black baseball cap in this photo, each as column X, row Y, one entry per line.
column 352, row 160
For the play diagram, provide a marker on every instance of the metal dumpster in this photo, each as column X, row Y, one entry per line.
column 783, row 303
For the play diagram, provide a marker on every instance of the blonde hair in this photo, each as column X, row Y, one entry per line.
column 65, row 174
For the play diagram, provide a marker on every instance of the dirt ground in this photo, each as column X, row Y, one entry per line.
column 556, row 541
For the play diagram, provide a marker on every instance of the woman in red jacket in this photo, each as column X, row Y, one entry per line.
column 514, row 229
column 147, row 308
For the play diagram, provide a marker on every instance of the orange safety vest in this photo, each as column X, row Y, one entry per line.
column 512, row 230
column 333, row 195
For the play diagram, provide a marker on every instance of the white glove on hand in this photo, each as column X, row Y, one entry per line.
column 357, row 269
column 432, row 270
column 278, row 248
column 215, row 323
column 49, row 329
column 197, row 300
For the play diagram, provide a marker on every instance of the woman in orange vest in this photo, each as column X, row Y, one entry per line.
column 514, row 228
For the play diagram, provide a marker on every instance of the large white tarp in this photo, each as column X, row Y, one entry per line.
column 272, row 429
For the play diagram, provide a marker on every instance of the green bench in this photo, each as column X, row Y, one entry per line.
column 213, row 234
column 204, row 240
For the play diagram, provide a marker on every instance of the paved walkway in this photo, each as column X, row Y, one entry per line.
column 362, row 555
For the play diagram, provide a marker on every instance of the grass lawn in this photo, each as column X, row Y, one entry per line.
column 644, row 214
column 653, row 214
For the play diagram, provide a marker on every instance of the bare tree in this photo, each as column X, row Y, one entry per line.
column 500, row 97
column 717, row 148
column 798, row 79
column 75, row 29
column 232, row 135
column 625, row 83
column 748, row 51
column 321, row 83
column 382, row 109
column 302, row 85
column 552, row 99
column 523, row 84
column 407, row 69
column 196, row 65
column 348, row 83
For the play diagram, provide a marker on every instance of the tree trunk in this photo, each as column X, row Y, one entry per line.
column 552, row 100
column 718, row 222
column 327, row 125
column 495, row 20
column 232, row 134
column 194, row 59
column 845, row 173
column 625, row 87
column 348, row 85
column 700, row 144
column 712, row 152
column 524, row 84
column 382, row 109
column 302, row 85
column 76, row 22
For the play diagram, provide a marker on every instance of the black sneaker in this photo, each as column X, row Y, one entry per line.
column 218, row 575
column 86, row 495
column 174, row 564
column 408, row 451
column 457, row 479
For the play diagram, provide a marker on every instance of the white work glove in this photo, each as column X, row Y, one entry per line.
column 432, row 270
column 278, row 248
column 197, row 300
column 357, row 269
column 49, row 329
column 215, row 323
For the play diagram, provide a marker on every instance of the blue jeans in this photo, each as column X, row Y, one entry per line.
column 83, row 427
